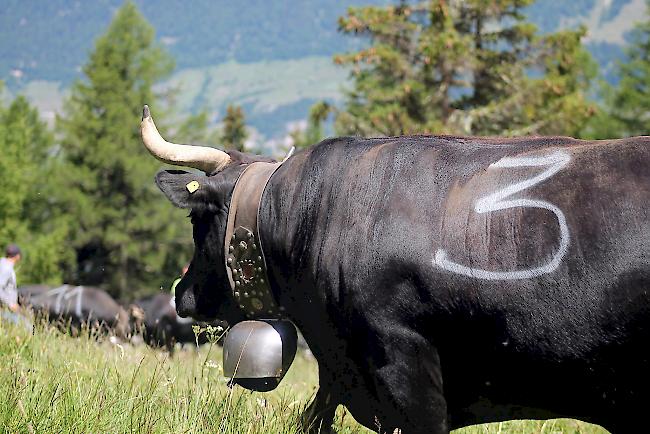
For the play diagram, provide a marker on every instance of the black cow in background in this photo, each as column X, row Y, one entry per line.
column 77, row 305
column 156, row 318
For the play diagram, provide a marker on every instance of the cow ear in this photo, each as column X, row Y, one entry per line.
column 184, row 189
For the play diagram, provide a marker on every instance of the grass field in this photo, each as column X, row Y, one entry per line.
column 54, row 383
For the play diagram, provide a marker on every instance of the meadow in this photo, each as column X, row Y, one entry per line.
column 52, row 382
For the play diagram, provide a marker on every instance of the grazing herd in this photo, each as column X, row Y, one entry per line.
column 153, row 318
column 156, row 319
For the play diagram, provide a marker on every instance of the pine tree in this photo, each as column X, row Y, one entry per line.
column 388, row 94
column 627, row 110
column 471, row 67
column 126, row 236
column 548, row 95
column 28, row 212
column 14, row 166
column 234, row 132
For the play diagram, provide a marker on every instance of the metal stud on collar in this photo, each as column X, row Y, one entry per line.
column 248, row 271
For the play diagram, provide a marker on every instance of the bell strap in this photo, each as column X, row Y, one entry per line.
column 245, row 263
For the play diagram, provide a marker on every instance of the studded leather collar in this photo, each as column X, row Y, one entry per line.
column 245, row 263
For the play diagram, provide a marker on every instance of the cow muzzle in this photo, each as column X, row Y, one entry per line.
column 186, row 303
column 257, row 354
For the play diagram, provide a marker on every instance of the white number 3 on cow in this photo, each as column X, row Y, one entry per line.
column 498, row 201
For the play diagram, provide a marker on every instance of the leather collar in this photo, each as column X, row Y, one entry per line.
column 245, row 263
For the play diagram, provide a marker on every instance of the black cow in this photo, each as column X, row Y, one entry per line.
column 78, row 305
column 162, row 327
column 445, row 281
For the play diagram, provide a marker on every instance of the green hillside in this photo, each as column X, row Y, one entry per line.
column 50, row 40
column 271, row 92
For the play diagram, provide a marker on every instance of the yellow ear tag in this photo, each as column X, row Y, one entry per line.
column 192, row 186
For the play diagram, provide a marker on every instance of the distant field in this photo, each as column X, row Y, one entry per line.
column 53, row 383
column 273, row 93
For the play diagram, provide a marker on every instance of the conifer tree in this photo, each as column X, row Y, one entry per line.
column 471, row 67
column 387, row 95
column 126, row 236
column 28, row 212
column 234, row 132
column 628, row 104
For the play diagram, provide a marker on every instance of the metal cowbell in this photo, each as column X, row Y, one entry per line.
column 257, row 354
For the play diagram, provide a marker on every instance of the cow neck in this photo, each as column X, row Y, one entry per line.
column 244, row 256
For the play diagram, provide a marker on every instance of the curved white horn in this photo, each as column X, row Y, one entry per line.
column 203, row 158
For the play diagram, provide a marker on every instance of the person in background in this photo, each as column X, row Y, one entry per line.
column 173, row 289
column 8, row 291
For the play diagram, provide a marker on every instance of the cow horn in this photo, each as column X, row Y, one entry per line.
column 203, row 158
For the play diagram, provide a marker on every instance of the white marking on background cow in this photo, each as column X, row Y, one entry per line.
column 62, row 293
column 78, row 292
column 497, row 201
column 59, row 292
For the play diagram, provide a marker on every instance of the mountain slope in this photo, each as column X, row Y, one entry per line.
column 50, row 40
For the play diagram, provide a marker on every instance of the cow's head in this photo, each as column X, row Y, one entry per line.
column 204, row 292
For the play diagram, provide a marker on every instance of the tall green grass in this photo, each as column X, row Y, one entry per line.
column 53, row 383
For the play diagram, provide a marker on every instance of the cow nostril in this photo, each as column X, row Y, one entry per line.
column 186, row 303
